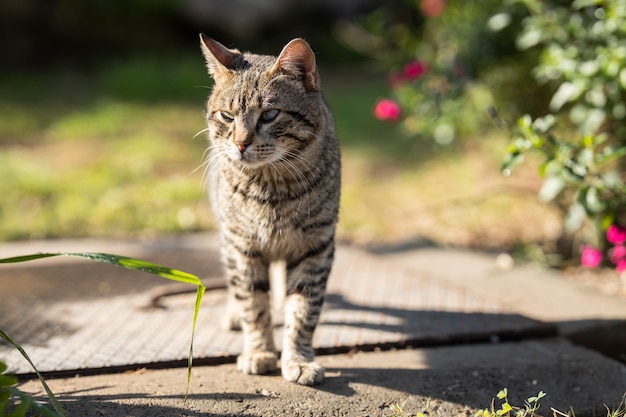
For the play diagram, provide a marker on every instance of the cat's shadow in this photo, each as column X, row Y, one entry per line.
column 451, row 335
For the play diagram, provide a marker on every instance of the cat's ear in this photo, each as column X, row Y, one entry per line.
column 298, row 60
column 220, row 61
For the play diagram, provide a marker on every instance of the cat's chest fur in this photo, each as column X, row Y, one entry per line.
column 274, row 210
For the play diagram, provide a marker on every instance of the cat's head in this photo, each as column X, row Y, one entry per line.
column 263, row 109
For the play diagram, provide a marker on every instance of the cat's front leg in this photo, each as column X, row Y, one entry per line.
column 306, row 289
column 249, row 289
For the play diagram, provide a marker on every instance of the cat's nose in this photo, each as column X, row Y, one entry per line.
column 242, row 138
column 242, row 145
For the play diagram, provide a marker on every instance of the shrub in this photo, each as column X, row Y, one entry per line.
column 583, row 61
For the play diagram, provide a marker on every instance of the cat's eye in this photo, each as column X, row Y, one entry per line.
column 227, row 117
column 269, row 116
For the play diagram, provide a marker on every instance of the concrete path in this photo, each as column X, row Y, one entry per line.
column 474, row 328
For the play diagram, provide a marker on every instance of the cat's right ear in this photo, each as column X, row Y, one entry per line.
column 220, row 61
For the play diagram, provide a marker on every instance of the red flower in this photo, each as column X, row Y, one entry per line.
column 590, row 257
column 414, row 70
column 387, row 109
column 432, row 8
column 616, row 234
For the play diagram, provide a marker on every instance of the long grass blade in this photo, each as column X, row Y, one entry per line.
column 138, row 265
column 199, row 295
column 129, row 263
column 55, row 403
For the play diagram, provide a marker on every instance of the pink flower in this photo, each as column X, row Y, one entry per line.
column 432, row 8
column 387, row 109
column 621, row 266
column 618, row 254
column 590, row 257
column 616, row 234
column 414, row 69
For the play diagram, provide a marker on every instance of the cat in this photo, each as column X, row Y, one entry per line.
column 274, row 184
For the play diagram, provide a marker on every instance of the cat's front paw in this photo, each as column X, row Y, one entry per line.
column 302, row 372
column 257, row 363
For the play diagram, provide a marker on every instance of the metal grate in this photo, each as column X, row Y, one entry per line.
column 371, row 302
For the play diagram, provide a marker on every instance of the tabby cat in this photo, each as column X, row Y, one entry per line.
column 274, row 182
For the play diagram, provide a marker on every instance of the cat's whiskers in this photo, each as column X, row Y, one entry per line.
column 311, row 167
column 211, row 155
column 203, row 164
column 292, row 155
column 206, row 129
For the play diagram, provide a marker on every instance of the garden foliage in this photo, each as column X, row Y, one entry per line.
column 452, row 65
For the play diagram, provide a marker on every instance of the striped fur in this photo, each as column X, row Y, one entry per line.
column 274, row 179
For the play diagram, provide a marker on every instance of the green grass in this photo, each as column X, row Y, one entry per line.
column 110, row 168
column 113, row 153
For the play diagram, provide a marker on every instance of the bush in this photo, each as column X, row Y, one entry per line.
column 583, row 60
column 449, row 61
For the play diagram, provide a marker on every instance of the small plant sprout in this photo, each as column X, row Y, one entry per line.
column 398, row 410
column 619, row 411
column 531, row 405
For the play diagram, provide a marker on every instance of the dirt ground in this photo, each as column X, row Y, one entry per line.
column 445, row 381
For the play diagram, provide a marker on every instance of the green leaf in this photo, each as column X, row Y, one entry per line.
column 5, row 394
column 550, row 167
column 129, row 263
column 525, row 121
column 609, row 153
column 585, row 157
column 55, row 403
column 511, row 160
column 139, row 265
column 550, row 188
column 607, row 221
column 545, row 123
column 529, row 38
column 26, row 258
column 505, row 409
column 7, row 380
column 575, row 217
column 566, row 92
column 502, row 393
column 29, row 402
column 573, row 171
column 20, row 409
column 593, row 201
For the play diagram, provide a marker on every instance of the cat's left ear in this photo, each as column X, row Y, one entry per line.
column 298, row 60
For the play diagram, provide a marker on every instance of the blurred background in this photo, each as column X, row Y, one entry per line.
column 101, row 103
